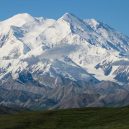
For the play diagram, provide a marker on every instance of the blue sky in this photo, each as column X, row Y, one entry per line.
column 112, row 12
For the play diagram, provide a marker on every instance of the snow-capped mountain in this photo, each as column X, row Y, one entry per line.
column 68, row 62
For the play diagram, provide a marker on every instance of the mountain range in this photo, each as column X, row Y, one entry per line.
column 64, row 63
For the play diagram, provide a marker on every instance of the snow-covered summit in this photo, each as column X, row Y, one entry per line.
column 69, row 17
column 19, row 20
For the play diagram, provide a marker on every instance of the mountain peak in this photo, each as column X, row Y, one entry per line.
column 22, row 15
column 19, row 19
column 69, row 17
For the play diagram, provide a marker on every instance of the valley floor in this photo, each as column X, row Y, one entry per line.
column 87, row 118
